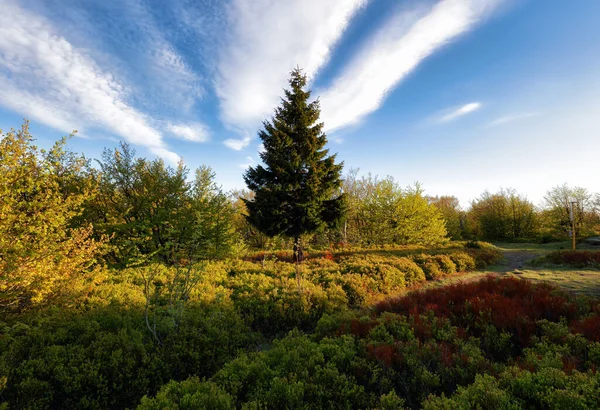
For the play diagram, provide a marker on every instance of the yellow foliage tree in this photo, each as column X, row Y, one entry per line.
column 42, row 252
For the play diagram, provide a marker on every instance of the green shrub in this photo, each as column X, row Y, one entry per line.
column 107, row 358
column 277, row 304
column 478, row 245
column 356, row 287
column 463, row 261
column 413, row 274
column 484, row 393
column 321, row 264
column 190, row 394
column 485, row 257
column 430, row 266
column 445, row 263
column 295, row 373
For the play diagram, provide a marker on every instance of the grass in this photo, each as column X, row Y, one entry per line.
column 582, row 282
column 542, row 248
column 457, row 278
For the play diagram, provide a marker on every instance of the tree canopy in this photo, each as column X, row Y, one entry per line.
column 296, row 191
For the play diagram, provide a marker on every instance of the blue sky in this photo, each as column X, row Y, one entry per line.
column 461, row 95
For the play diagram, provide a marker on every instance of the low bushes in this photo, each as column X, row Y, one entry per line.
column 100, row 352
column 463, row 261
column 107, row 358
column 436, row 266
column 578, row 259
column 510, row 305
column 389, row 273
column 549, row 388
column 445, row 348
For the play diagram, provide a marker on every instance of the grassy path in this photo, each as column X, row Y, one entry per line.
column 516, row 259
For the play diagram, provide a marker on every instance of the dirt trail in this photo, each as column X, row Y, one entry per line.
column 515, row 260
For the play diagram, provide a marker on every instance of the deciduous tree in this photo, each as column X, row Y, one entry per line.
column 42, row 253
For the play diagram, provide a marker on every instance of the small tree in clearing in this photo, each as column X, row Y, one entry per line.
column 295, row 191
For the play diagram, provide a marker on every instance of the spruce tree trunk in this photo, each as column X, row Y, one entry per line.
column 298, row 252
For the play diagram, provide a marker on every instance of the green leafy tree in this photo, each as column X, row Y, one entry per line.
column 294, row 192
column 382, row 212
column 213, row 226
column 557, row 211
column 150, row 210
column 393, row 215
column 449, row 206
column 416, row 221
column 43, row 255
column 503, row 215
column 141, row 205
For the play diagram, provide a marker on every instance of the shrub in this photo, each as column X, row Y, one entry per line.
column 324, row 264
column 478, row 245
column 484, row 393
column 107, row 358
column 430, row 266
column 413, row 274
column 445, row 263
column 485, row 256
column 277, row 304
column 190, row 394
column 463, row 261
column 295, row 373
column 579, row 259
column 509, row 304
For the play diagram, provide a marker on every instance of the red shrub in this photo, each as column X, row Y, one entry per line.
column 386, row 354
column 361, row 327
column 446, row 354
column 574, row 258
column 509, row 304
column 570, row 363
column 589, row 327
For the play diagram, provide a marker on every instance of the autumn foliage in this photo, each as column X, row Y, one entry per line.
column 44, row 253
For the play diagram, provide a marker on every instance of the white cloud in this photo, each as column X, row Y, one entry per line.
column 267, row 40
column 393, row 53
column 249, row 163
column 195, row 132
column 43, row 76
column 167, row 155
column 511, row 118
column 238, row 144
column 459, row 112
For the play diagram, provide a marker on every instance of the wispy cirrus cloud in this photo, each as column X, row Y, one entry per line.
column 393, row 53
column 512, row 118
column 460, row 111
column 195, row 132
column 250, row 162
column 43, row 76
column 267, row 39
column 238, row 144
column 131, row 38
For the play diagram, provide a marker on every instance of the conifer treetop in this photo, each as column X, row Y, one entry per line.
column 295, row 190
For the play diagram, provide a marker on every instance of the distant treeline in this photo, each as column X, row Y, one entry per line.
column 507, row 215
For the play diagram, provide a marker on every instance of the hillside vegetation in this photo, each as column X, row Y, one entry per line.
column 128, row 283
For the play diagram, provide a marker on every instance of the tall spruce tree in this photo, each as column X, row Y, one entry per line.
column 295, row 192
